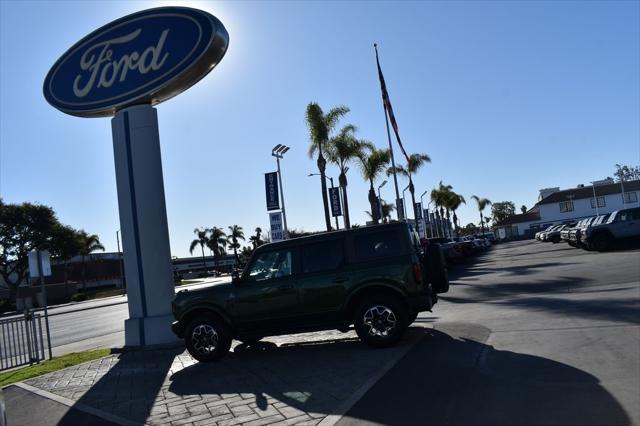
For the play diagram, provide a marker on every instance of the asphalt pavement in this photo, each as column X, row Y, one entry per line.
column 530, row 333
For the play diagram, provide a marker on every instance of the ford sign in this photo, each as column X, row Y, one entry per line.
column 143, row 58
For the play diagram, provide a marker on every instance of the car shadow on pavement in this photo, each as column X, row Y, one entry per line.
column 299, row 378
column 452, row 378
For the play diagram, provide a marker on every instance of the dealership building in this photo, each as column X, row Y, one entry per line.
column 556, row 206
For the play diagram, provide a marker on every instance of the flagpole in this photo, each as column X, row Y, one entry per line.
column 393, row 162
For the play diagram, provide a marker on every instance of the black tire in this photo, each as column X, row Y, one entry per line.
column 435, row 268
column 601, row 242
column 207, row 338
column 393, row 318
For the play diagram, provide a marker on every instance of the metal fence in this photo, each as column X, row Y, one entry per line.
column 21, row 340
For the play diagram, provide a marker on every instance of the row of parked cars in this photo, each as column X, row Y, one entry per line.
column 597, row 232
column 456, row 249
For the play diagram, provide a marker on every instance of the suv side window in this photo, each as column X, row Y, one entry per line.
column 323, row 256
column 270, row 264
column 377, row 244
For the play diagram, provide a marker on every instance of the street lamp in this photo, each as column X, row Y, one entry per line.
column 278, row 151
column 380, row 198
column 331, row 180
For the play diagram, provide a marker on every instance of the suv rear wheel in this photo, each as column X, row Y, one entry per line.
column 207, row 338
column 380, row 321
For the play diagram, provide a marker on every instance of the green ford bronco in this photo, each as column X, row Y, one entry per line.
column 377, row 278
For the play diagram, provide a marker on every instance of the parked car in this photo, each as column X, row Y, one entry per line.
column 377, row 278
column 621, row 225
column 575, row 235
column 538, row 235
column 542, row 235
column 564, row 234
column 554, row 235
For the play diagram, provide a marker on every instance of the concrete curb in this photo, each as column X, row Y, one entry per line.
column 343, row 409
column 76, row 405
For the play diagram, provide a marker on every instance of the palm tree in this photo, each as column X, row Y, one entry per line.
column 88, row 243
column 371, row 166
column 386, row 211
column 256, row 239
column 454, row 202
column 416, row 161
column 523, row 209
column 202, row 240
column 483, row 203
column 320, row 126
column 341, row 150
column 440, row 197
column 235, row 233
column 216, row 242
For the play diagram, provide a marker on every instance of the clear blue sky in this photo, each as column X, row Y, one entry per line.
column 506, row 97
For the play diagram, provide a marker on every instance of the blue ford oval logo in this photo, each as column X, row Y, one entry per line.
column 146, row 57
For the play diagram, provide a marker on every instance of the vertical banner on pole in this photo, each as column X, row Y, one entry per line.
column 271, row 190
column 275, row 223
column 419, row 221
column 400, row 208
column 336, row 206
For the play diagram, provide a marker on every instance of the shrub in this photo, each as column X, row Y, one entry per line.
column 78, row 297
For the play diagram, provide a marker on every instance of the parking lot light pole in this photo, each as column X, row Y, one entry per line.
column 332, row 187
column 380, row 199
column 278, row 151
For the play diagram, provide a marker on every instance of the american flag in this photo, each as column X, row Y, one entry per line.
column 387, row 105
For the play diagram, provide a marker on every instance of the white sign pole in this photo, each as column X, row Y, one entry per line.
column 143, row 221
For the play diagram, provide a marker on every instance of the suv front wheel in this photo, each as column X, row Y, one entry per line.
column 380, row 321
column 207, row 338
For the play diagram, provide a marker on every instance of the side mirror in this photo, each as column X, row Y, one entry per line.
column 235, row 276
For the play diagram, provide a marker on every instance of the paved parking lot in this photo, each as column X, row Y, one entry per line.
column 530, row 333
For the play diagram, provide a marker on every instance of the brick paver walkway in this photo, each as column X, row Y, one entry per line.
column 296, row 379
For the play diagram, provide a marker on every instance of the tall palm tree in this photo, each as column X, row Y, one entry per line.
column 372, row 165
column 201, row 239
column 235, row 234
column 217, row 241
column 88, row 243
column 340, row 150
column 440, row 197
column 416, row 161
column 256, row 239
column 482, row 203
column 320, row 126
column 455, row 200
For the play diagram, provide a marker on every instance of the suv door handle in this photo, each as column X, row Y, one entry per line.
column 339, row 280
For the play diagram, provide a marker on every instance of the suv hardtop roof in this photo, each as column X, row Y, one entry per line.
column 321, row 236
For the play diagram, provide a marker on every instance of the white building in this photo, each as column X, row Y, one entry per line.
column 557, row 206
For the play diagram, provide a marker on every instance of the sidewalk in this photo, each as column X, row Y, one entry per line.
column 305, row 379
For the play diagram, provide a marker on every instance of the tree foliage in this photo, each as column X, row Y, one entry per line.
column 23, row 227
column 625, row 173
column 502, row 210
